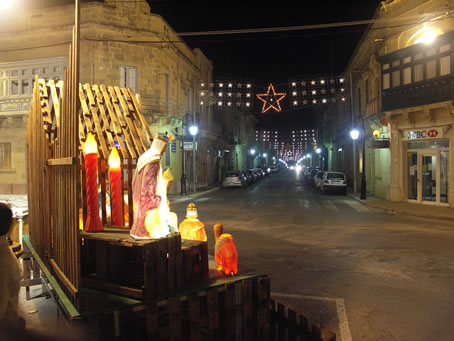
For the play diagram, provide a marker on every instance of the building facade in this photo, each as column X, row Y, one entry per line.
column 123, row 44
column 401, row 90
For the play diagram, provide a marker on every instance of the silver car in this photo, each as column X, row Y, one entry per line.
column 333, row 181
column 234, row 179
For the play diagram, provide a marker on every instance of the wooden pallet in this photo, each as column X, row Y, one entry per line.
column 115, row 262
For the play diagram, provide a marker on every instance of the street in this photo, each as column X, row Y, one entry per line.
column 363, row 273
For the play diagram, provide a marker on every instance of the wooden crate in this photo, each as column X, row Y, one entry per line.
column 225, row 308
column 115, row 262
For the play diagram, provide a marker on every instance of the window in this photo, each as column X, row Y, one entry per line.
column 419, row 76
column 386, row 81
column 128, row 77
column 5, row 156
column 396, row 78
column 445, row 65
column 407, row 75
column 431, row 69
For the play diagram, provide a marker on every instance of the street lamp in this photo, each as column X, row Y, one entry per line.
column 193, row 128
column 5, row 4
column 264, row 155
column 362, row 195
column 354, row 134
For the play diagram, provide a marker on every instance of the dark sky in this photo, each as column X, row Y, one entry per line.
column 271, row 57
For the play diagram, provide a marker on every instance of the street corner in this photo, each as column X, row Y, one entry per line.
column 328, row 312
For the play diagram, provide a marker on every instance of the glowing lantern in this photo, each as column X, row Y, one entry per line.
column 225, row 254
column 93, row 223
column 376, row 133
column 192, row 228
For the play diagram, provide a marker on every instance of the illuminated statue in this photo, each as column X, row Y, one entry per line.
column 192, row 228
column 152, row 216
column 225, row 254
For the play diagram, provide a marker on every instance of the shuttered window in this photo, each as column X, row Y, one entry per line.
column 128, row 77
column 5, row 156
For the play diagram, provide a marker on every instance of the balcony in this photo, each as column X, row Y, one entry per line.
column 373, row 107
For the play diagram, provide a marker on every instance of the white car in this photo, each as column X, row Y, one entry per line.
column 234, row 179
column 333, row 181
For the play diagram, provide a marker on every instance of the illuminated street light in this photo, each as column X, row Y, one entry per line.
column 318, row 150
column 5, row 4
column 354, row 134
column 193, row 130
column 252, row 151
column 264, row 155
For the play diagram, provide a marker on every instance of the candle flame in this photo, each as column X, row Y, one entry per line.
column 114, row 159
column 90, row 146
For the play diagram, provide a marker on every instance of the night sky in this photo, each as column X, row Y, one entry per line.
column 271, row 57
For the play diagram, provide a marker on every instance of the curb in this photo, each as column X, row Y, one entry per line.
column 402, row 211
column 194, row 195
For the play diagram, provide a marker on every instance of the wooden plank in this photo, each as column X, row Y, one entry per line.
column 161, row 266
column 273, row 320
column 281, row 321
column 171, row 263
column 105, row 124
column 152, row 320
column 291, row 325
column 248, row 309
column 130, row 195
column 131, row 128
column 213, row 314
column 138, row 115
column 174, row 318
column 98, row 128
column 64, row 161
column 263, row 290
column 194, row 317
column 230, row 316
column 101, row 260
column 55, row 101
column 150, row 283
column 113, row 288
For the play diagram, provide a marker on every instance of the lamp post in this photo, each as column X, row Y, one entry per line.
column 354, row 134
column 363, row 175
column 183, row 175
column 193, row 129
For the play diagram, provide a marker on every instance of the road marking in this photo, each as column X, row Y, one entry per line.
column 304, row 203
column 344, row 329
column 357, row 206
column 328, row 204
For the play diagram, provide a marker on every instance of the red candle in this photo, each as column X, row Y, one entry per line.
column 116, row 191
column 93, row 223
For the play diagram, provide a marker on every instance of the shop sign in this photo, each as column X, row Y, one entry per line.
column 419, row 134
column 188, row 146
column 380, row 144
column 173, row 146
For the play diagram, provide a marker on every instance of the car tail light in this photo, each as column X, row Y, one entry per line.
column 345, row 182
column 326, row 182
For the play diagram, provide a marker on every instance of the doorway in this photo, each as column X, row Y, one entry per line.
column 427, row 176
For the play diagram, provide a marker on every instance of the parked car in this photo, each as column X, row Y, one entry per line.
column 254, row 176
column 318, row 178
column 248, row 176
column 234, row 179
column 311, row 174
column 334, row 181
column 258, row 172
column 262, row 172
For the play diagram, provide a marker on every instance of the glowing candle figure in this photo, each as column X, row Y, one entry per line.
column 93, row 223
column 116, row 190
column 192, row 228
column 225, row 253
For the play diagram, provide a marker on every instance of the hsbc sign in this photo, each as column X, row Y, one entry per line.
column 431, row 133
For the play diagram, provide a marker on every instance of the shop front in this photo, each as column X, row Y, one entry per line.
column 427, row 165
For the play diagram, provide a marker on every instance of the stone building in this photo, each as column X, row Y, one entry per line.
column 401, row 86
column 122, row 43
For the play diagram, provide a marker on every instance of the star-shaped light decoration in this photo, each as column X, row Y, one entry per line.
column 271, row 99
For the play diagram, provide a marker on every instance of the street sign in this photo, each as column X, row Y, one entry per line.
column 173, row 146
column 380, row 144
column 188, row 145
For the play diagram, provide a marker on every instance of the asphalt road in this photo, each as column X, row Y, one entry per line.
column 365, row 274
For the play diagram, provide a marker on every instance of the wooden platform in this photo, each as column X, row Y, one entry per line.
column 115, row 262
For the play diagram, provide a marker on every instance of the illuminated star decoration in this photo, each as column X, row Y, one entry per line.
column 271, row 99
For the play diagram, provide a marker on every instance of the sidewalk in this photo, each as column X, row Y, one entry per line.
column 177, row 197
column 403, row 207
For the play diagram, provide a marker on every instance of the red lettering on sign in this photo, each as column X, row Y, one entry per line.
column 432, row 133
